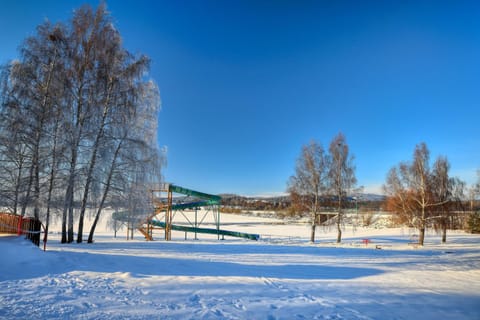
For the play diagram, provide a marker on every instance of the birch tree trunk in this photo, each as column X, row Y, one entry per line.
column 92, row 162
column 106, row 190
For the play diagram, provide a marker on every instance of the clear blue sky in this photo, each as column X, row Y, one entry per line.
column 244, row 84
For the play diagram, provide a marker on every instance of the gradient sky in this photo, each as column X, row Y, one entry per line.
column 244, row 84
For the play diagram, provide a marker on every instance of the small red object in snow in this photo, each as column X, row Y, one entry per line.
column 366, row 241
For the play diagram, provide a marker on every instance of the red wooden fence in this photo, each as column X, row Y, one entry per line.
column 15, row 224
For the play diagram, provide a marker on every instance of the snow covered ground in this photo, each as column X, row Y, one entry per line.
column 282, row 276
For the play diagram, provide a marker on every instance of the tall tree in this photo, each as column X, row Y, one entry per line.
column 408, row 187
column 40, row 59
column 448, row 192
column 85, row 40
column 131, row 150
column 341, row 176
column 28, row 103
column 417, row 193
column 309, row 182
column 419, row 180
column 120, row 78
column 14, row 153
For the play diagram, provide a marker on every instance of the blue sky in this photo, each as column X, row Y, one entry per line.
column 244, row 84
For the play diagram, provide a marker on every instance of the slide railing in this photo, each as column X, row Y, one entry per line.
column 221, row 232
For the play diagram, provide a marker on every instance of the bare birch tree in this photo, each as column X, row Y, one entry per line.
column 309, row 182
column 341, row 176
column 40, row 58
column 448, row 192
column 410, row 187
column 13, row 154
column 85, row 40
column 28, row 105
column 134, row 152
column 417, row 193
column 119, row 78
column 442, row 189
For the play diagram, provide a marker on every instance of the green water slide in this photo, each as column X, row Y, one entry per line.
column 200, row 200
column 205, row 200
column 249, row 236
column 212, row 199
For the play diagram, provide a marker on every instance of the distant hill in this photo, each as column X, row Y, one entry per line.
column 283, row 202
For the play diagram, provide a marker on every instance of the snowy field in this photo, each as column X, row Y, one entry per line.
column 282, row 276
